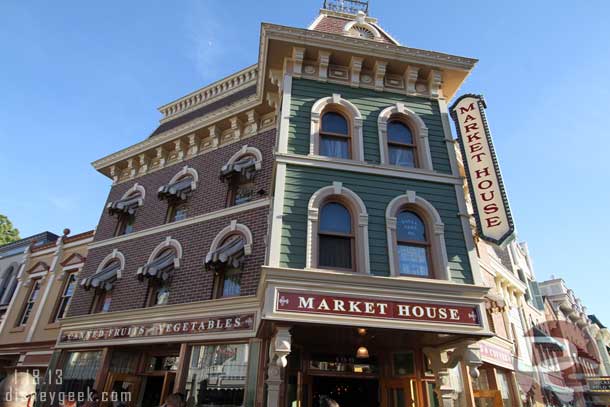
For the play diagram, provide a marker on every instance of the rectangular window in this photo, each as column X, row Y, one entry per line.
column 126, row 224
column 29, row 305
column 413, row 260
column 335, row 252
column 230, row 283
column 66, row 296
column 403, row 364
column 102, row 301
column 241, row 191
column 217, row 375
column 333, row 146
column 176, row 212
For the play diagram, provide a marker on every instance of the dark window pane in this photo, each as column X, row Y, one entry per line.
column 409, row 226
column 398, row 132
column 403, row 156
column 335, row 252
column 412, row 260
column 337, row 147
column 335, row 218
column 334, row 123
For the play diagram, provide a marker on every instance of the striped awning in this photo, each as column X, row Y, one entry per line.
column 245, row 167
column 542, row 339
column 230, row 254
column 104, row 279
column 160, row 267
column 127, row 205
column 178, row 190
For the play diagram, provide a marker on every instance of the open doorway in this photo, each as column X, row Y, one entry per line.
column 347, row 392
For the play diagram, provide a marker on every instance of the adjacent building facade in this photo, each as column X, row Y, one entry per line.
column 42, row 295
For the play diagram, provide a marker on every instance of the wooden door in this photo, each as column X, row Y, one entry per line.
column 399, row 393
column 168, row 385
column 487, row 398
column 126, row 387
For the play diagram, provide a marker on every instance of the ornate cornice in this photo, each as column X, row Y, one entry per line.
column 362, row 46
column 217, row 90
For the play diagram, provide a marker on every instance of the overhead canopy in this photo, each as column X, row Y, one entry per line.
column 126, row 205
column 178, row 189
column 104, row 279
column 230, row 254
column 245, row 167
column 541, row 338
column 160, row 267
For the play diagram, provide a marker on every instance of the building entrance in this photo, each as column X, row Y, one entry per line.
column 352, row 392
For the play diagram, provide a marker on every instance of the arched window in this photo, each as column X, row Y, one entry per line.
column 239, row 173
column 159, row 269
column 401, row 145
column 412, row 245
column 335, row 139
column 226, row 259
column 403, row 138
column 176, row 193
column 125, row 209
column 102, row 282
column 416, row 242
column 335, row 237
column 337, row 230
column 336, row 129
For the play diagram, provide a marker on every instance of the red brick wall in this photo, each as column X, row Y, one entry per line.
column 211, row 192
column 191, row 282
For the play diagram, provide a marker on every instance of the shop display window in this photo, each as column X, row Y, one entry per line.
column 343, row 364
column 217, row 375
column 79, row 370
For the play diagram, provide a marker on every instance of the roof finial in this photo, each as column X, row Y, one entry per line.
column 347, row 6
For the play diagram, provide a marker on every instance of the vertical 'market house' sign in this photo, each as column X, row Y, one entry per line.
column 491, row 209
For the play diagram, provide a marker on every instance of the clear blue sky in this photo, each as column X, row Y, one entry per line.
column 82, row 79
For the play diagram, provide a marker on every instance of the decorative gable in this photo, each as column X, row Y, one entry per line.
column 73, row 259
column 39, row 267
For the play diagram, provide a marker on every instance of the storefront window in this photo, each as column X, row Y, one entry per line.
column 217, row 375
column 79, row 371
column 504, row 387
column 124, row 362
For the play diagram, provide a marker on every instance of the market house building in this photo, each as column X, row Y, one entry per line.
column 295, row 231
column 42, row 296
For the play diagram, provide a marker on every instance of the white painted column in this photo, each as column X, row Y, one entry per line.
column 279, row 349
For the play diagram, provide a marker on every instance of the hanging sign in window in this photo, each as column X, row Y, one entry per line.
column 491, row 209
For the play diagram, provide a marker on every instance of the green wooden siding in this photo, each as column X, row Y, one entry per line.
column 370, row 103
column 376, row 191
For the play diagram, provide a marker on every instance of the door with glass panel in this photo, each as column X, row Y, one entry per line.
column 399, row 393
column 122, row 388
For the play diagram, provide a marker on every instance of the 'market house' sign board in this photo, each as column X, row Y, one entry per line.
column 491, row 210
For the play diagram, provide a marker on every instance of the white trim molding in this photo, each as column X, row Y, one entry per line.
column 231, row 229
column 358, row 209
column 186, row 170
column 354, row 118
column 247, row 150
column 434, row 227
column 115, row 255
column 167, row 243
column 417, row 127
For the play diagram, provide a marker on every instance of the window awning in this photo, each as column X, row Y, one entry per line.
column 178, row 189
column 541, row 338
column 559, row 390
column 104, row 279
column 160, row 267
column 230, row 254
column 246, row 167
column 127, row 205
